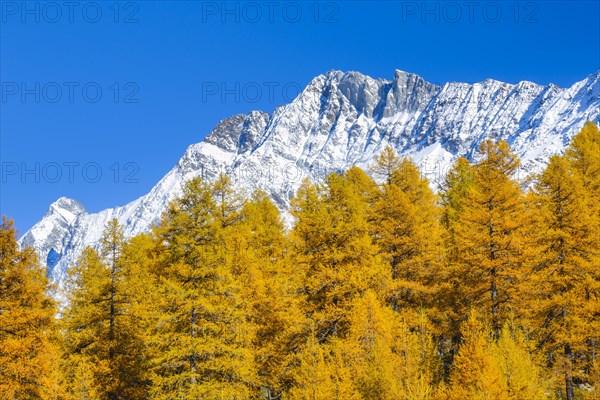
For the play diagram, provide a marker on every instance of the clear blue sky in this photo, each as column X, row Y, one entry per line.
column 127, row 86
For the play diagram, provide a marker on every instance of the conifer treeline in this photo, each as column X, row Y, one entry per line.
column 379, row 291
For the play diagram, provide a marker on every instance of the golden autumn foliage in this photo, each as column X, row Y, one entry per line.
column 381, row 288
column 102, row 331
column 322, row 371
column 393, row 354
column 407, row 230
column 333, row 248
column 200, row 336
column 584, row 156
column 28, row 353
column 565, row 281
column 487, row 222
column 259, row 259
column 495, row 369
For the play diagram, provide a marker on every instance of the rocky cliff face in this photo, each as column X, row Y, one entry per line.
column 339, row 120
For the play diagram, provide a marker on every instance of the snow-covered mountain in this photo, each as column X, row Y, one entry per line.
column 339, row 120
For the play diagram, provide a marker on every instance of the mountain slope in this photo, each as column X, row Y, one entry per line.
column 339, row 120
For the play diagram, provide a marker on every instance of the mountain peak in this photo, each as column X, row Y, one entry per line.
column 68, row 208
column 339, row 120
column 240, row 132
column 336, row 75
column 404, row 75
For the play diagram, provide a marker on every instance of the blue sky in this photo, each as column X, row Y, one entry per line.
column 100, row 99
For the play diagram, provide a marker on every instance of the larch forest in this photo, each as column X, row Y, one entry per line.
column 488, row 288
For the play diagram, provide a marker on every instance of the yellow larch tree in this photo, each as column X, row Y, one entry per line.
column 503, row 368
column 386, row 163
column 102, row 339
column 27, row 350
column 322, row 371
column 83, row 325
column 371, row 343
column 584, row 155
column 200, row 335
column 490, row 249
column 476, row 374
column 391, row 358
column 453, row 194
column 521, row 367
column 406, row 228
column 565, row 282
column 333, row 248
column 257, row 252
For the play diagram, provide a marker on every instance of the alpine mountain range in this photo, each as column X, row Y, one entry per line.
column 340, row 120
